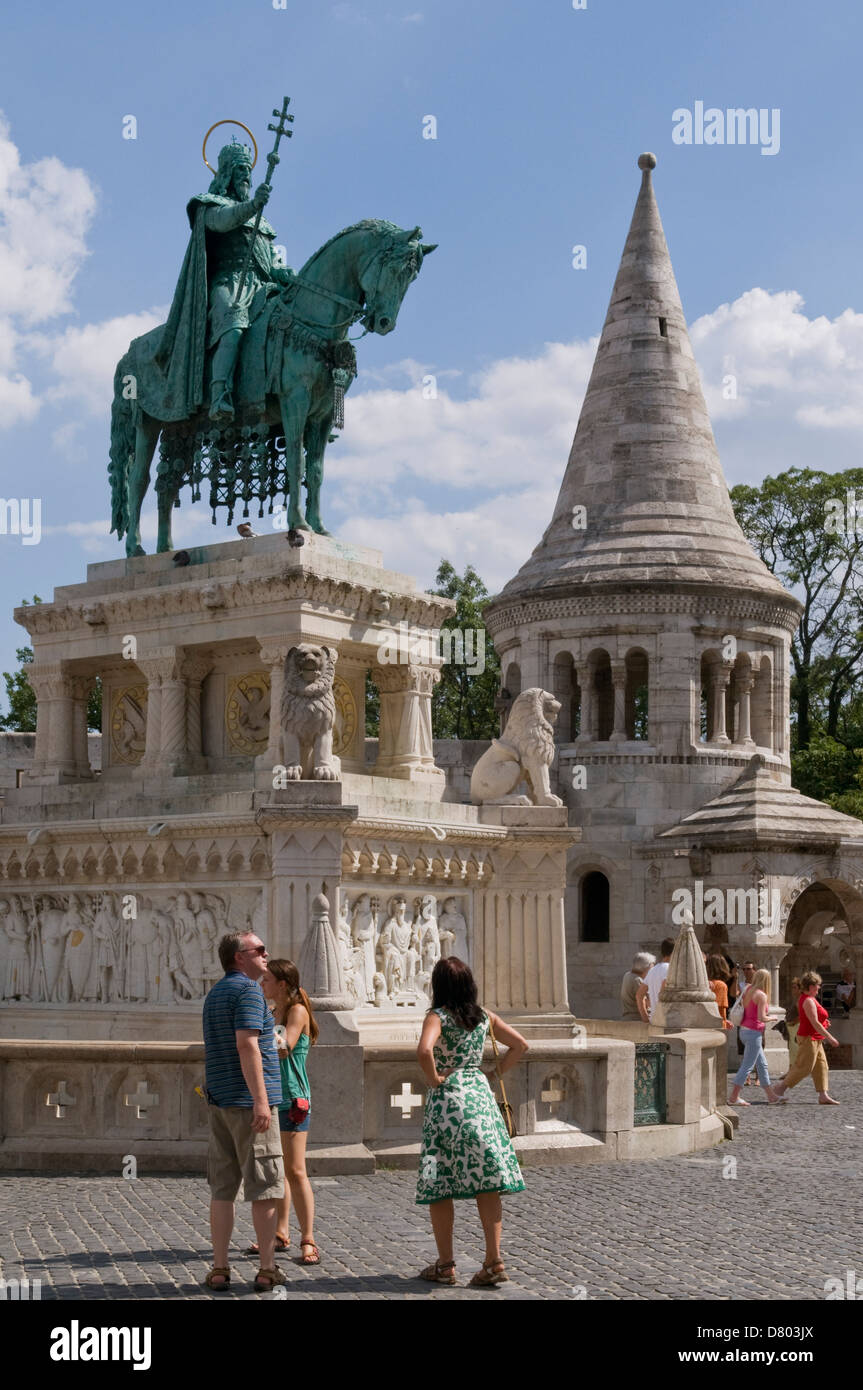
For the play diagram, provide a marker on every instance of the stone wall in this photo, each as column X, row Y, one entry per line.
column 457, row 757
column 17, row 751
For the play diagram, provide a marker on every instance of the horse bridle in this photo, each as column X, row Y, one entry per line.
column 359, row 312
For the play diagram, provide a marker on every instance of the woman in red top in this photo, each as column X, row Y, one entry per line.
column 811, row 1059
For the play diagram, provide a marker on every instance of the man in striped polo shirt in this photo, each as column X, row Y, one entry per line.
column 244, row 1091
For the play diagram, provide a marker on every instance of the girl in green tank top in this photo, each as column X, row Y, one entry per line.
column 297, row 1031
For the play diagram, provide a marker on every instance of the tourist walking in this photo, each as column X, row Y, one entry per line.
column 243, row 1092
column 466, row 1149
column 745, row 974
column 811, row 1059
column 647, row 995
column 718, row 977
column 756, row 1005
column 296, row 1032
column 630, row 983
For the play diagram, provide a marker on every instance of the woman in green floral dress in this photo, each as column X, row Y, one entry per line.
column 466, row 1150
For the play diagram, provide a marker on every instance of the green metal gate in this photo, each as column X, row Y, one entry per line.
column 650, row 1083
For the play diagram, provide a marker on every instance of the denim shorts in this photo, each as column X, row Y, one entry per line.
column 288, row 1127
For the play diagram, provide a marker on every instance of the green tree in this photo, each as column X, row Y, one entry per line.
column 463, row 701
column 373, row 708
column 21, row 698
column 796, row 524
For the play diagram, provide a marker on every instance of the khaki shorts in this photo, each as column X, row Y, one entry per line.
column 237, row 1154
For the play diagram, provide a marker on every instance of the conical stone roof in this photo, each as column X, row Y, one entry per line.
column 759, row 809
column 644, row 462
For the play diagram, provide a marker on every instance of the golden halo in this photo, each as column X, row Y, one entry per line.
column 227, row 122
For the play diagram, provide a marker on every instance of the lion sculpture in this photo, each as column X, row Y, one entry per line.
column 525, row 751
column 309, row 713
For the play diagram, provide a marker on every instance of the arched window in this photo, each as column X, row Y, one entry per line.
column 594, row 907
column 512, row 680
column 636, row 695
column 567, row 692
column 762, row 705
column 603, row 691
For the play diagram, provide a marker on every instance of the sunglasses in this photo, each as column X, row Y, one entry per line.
column 254, row 951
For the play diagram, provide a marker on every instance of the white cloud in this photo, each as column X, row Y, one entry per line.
column 785, row 365
column 45, row 213
column 518, row 421
column 495, row 536
column 84, row 357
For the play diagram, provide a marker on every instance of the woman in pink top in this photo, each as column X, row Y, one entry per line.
column 756, row 1003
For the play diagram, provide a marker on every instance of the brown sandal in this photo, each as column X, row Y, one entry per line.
column 281, row 1246
column 439, row 1273
column 314, row 1258
column 490, row 1276
column 267, row 1279
column 222, row 1272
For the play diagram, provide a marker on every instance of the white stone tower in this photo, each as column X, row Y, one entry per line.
column 647, row 612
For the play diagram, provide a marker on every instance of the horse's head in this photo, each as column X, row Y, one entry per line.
column 386, row 273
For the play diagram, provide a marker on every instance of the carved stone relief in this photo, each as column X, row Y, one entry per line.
column 113, row 948
column 345, row 726
column 390, row 945
column 128, row 724
column 247, row 712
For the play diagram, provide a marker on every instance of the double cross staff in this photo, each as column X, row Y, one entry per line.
column 280, row 129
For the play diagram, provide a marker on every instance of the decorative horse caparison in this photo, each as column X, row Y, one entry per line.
column 295, row 363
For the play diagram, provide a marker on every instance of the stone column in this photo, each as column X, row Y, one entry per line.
column 519, row 942
column 151, row 670
column 166, row 709
column 273, row 655
column 195, row 669
column 720, row 677
column 584, row 675
column 40, row 678
column 618, row 681
column 172, row 742
column 55, row 755
column 770, row 958
column 81, row 688
column 744, row 691
column 405, row 745
column 502, row 706
column 857, row 954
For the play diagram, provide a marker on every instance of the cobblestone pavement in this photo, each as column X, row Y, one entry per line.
column 662, row 1230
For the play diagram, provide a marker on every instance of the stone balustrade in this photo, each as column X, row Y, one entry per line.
column 92, row 1106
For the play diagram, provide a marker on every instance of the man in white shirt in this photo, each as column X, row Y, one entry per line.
column 650, row 990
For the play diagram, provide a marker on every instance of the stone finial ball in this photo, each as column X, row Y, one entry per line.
column 647, row 161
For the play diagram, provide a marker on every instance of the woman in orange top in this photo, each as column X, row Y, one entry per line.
column 718, row 977
column 813, row 1032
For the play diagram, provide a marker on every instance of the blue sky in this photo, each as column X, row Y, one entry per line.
column 541, row 112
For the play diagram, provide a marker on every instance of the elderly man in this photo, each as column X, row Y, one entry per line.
column 244, row 1091
column 629, row 986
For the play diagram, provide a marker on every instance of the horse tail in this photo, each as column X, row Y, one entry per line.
column 124, row 419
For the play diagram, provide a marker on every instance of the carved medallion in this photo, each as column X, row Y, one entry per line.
column 129, row 724
column 346, row 716
column 247, row 712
